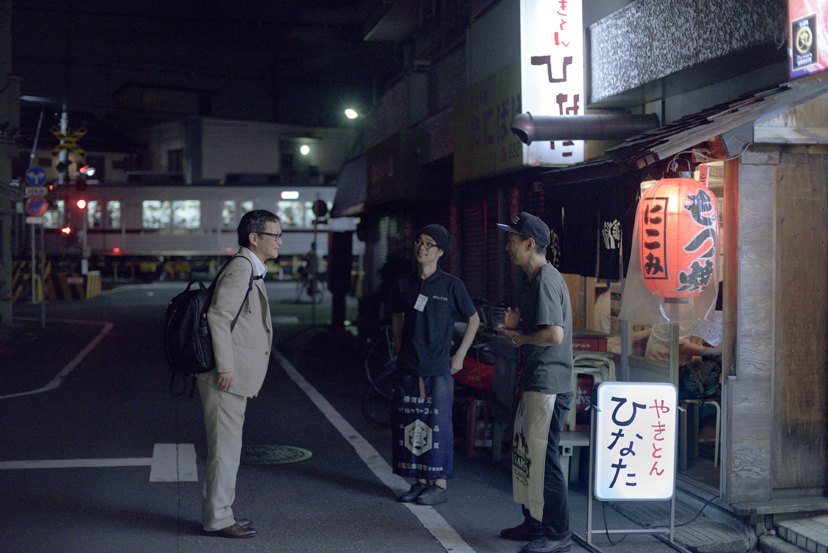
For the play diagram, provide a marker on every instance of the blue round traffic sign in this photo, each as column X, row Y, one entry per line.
column 35, row 176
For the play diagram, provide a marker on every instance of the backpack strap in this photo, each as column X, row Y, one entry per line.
column 173, row 387
column 249, row 288
column 249, row 285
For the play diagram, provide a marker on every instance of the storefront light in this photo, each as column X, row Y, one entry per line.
column 678, row 237
column 290, row 195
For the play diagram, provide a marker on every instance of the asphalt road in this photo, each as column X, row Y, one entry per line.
column 85, row 403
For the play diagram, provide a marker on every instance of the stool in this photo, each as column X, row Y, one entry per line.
column 478, row 427
column 570, row 448
column 600, row 367
column 695, row 426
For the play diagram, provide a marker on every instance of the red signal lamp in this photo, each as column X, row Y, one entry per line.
column 81, row 204
column 66, row 230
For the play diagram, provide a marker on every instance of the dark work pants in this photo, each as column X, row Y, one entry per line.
column 555, row 521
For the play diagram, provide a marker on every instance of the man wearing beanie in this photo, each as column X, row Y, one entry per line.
column 424, row 310
column 543, row 327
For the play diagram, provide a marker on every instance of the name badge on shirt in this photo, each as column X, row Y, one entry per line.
column 421, row 301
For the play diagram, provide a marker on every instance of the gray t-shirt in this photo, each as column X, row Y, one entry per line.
column 545, row 302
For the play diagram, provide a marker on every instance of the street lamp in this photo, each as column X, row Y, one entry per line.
column 351, row 113
column 37, row 100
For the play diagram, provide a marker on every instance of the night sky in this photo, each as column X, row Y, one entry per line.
column 278, row 60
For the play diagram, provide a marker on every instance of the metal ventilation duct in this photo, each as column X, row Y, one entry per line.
column 541, row 128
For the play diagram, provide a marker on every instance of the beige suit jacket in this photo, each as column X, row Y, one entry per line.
column 245, row 350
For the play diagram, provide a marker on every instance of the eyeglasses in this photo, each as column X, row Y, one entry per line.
column 275, row 236
column 426, row 245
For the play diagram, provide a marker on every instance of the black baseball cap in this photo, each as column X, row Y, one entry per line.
column 528, row 226
column 440, row 235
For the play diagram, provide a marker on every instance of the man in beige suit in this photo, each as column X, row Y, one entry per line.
column 242, row 354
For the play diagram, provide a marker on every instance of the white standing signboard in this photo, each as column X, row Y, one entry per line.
column 635, row 441
column 552, row 72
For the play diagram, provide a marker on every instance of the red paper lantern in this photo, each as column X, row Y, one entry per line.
column 678, row 235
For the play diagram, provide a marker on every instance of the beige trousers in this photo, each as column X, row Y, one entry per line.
column 223, row 421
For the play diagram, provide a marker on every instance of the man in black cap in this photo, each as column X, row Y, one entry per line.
column 543, row 326
column 423, row 316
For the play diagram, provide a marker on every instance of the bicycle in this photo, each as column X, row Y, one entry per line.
column 376, row 403
column 312, row 286
column 380, row 354
column 380, row 368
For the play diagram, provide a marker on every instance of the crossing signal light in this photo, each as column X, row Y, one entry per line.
column 80, row 177
column 81, row 204
column 66, row 230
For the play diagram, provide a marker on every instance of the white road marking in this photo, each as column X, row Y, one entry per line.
column 58, row 379
column 76, row 463
column 428, row 517
column 169, row 463
column 173, row 463
column 285, row 319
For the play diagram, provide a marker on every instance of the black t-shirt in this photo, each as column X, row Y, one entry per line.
column 545, row 302
column 428, row 328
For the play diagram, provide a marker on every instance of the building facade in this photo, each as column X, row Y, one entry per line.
column 718, row 79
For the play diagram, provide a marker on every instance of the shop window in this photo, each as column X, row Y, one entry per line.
column 246, row 207
column 228, row 214
column 156, row 214
column 187, row 214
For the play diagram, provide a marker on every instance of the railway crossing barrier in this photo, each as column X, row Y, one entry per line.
column 58, row 286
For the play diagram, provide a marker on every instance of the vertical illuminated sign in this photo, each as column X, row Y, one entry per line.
column 552, row 72
column 635, row 441
column 807, row 37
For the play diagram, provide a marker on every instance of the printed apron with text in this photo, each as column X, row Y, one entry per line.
column 532, row 420
column 421, row 427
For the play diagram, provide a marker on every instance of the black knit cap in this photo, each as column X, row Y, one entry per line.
column 529, row 226
column 440, row 236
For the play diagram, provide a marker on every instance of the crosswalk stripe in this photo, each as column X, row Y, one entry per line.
column 173, row 463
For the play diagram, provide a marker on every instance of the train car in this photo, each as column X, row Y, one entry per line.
column 196, row 223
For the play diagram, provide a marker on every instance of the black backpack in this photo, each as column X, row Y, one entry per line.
column 188, row 345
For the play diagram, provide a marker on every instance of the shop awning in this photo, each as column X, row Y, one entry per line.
column 350, row 189
column 723, row 131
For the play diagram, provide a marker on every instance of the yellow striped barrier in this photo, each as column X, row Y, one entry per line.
column 93, row 284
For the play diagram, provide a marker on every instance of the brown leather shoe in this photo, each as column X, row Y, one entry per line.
column 236, row 531
column 243, row 522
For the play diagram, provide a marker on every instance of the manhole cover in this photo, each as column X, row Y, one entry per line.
column 273, row 454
